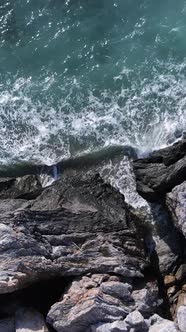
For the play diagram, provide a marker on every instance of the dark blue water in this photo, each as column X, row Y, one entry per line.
column 79, row 75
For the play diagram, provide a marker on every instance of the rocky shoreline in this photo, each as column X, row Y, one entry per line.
column 77, row 257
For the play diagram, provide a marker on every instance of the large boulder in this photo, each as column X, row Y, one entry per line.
column 77, row 225
column 161, row 171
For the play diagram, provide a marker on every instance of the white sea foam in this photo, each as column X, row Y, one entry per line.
column 148, row 115
column 75, row 80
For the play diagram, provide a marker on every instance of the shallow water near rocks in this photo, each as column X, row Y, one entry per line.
column 76, row 76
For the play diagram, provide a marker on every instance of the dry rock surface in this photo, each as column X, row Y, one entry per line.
column 102, row 298
column 161, row 171
column 78, row 225
column 104, row 267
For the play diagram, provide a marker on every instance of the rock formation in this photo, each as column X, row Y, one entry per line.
column 75, row 257
column 161, row 171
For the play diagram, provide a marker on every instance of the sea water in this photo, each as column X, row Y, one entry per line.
column 77, row 76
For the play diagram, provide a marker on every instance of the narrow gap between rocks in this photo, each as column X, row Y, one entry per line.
column 39, row 296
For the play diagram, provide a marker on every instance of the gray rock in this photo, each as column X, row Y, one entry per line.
column 29, row 320
column 26, row 187
column 181, row 273
column 147, row 299
column 12, row 205
column 181, row 316
column 85, row 304
column 95, row 300
column 7, row 325
column 77, row 225
column 161, row 171
column 163, row 326
column 176, row 203
column 117, row 326
column 117, row 289
column 135, row 319
column 168, row 251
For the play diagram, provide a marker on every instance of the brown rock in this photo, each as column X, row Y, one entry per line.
column 169, row 280
column 184, row 288
column 181, row 300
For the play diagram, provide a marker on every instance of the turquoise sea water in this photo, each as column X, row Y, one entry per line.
column 79, row 75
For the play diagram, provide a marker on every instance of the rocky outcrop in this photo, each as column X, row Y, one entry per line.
column 161, row 171
column 78, row 225
column 107, row 299
column 176, row 204
column 161, row 178
column 112, row 265
column 27, row 187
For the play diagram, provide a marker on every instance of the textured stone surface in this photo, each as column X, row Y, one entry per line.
column 77, row 225
column 27, row 187
column 81, row 228
column 91, row 300
column 117, row 289
column 135, row 319
column 181, row 273
column 167, row 250
column 181, row 316
column 161, row 171
column 83, row 306
column 176, row 203
column 147, row 299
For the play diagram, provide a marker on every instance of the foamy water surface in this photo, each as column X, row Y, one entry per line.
column 76, row 76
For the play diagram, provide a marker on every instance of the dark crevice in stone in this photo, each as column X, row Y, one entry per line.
column 164, row 309
column 30, row 196
column 153, row 270
column 40, row 296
